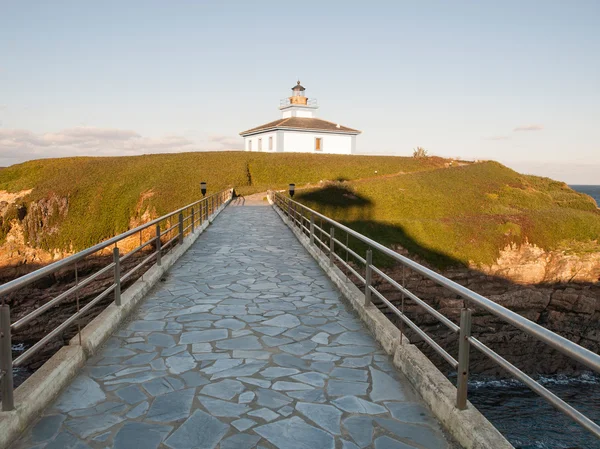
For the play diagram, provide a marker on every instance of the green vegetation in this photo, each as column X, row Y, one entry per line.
column 462, row 214
column 5, row 222
column 420, row 152
column 447, row 214
column 103, row 193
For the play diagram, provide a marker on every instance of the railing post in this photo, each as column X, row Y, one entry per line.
column 192, row 215
column 312, row 229
column 463, row 359
column 181, row 228
column 295, row 215
column 368, row 275
column 6, row 366
column 158, row 246
column 117, row 262
column 331, row 245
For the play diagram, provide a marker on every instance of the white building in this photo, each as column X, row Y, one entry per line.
column 300, row 131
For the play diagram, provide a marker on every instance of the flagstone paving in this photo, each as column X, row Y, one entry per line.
column 246, row 344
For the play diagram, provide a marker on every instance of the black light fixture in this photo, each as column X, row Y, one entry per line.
column 292, row 189
column 203, row 188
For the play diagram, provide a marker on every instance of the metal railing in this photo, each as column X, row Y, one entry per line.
column 169, row 230
column 329, row 242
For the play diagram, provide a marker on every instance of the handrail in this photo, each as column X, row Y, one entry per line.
column 292, row 209
column 206, row 209
column 562, row 344
column 27, row 279
column 35, row 313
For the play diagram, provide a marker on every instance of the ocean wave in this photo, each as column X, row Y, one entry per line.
column 19, row 347
column 586, row 378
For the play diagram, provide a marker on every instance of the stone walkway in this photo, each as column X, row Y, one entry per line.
column 246, row 344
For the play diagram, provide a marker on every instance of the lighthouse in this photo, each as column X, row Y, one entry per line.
column 300, row 131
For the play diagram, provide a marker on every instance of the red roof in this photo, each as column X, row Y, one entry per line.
column 302, row 124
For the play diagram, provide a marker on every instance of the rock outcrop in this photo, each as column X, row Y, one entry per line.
column 570, row 309
column 26, row 226
column 30, row 224
column 529, row 264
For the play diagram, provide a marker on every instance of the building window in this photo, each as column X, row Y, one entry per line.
column 318, row 144
column 249, row 144
column 259, row 144
column 271, row 143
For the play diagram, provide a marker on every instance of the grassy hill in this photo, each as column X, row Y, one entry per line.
column 447, row 214
column 465, row 213
column 103, row 193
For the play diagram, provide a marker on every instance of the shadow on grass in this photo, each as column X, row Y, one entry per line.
column 356, row 212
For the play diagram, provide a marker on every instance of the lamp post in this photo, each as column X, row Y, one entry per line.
column 203, row 188
column 292, row 189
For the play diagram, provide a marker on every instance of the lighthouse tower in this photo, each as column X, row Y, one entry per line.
column 298, row 105
column 298, row 130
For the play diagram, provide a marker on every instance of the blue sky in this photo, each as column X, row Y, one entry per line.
column 518, row 81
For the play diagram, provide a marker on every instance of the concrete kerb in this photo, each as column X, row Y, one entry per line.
column 469, row 427
column 39, row 390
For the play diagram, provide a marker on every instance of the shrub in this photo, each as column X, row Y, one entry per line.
column 420, row 153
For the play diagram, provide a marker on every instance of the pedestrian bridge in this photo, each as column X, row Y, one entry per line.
column 245, row 342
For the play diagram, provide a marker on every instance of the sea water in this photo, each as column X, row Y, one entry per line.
column 528, row 421
column 593, row 191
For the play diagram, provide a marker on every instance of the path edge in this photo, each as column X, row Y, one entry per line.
column 469, row 427
column 44, row 386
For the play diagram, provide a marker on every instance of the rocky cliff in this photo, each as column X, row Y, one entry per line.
column 25, row 226
column 529, row 264
column 28, row 225
column 569, row 308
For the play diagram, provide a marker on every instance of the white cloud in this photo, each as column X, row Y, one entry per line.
column 498, row 138
column 18, row 145
column 155, row 145
column 224, row 142
column 529, row 128
column 88, row 134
